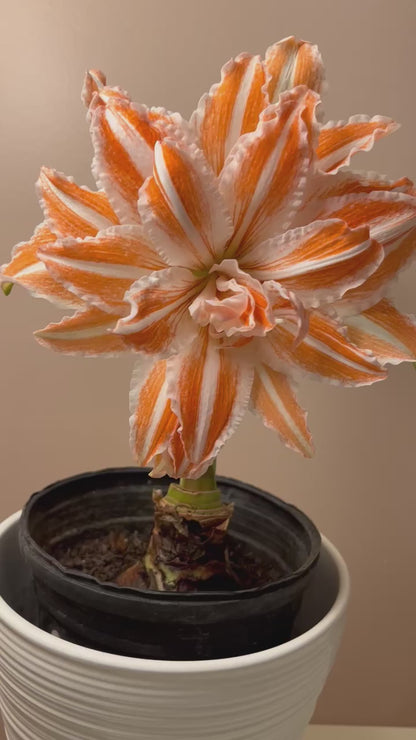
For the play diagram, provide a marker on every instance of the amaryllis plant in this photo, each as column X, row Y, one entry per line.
column 229, row 252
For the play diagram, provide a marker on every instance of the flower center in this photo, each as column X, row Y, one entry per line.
column 232, row 302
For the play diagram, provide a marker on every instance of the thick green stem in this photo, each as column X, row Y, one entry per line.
column 197, row 494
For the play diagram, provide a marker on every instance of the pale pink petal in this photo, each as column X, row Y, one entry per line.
column 232, row 302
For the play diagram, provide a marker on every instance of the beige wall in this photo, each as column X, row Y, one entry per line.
column 61, row 416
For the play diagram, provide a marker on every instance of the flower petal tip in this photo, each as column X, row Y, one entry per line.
column 94, row 81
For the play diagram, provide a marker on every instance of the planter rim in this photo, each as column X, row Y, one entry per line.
column 71, row 651
column 91, row 583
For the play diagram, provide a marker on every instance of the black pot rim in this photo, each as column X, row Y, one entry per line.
column 91, row 583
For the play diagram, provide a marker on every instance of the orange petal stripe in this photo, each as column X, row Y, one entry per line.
column 70, row 209
column 152, row 421
column 101, row 269
column 339, row 141
column 159, row 315
column 319, row 262
column 263, row 177
column 123, row 138
column 389, row 334
column 325, row 352
column 210, row 389
column 26, row 269
column 273, row 399
column 88, row 333
column 181, row 208
column 231, row 108
column 293, row 62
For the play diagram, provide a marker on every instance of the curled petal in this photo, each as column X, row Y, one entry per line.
column 94, row 81
column 72, row 210
column 265, row 174
column 389, row 334
column 101, row 269
column 273, row 399
column 181, row 208
column 232, row 303
column 318, row 262
column 231, row 108
column 27, row 270
column 324, row 352
column 339, row 141
column 159, row 318
column 87, row 333
column 209, row 388
column 293, row 62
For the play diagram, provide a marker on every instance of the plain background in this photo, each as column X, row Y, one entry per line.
column 62, row 415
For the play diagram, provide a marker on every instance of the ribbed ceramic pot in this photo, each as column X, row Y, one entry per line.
column 52, row 689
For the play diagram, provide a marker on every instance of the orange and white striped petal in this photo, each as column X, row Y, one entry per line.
column 209, row 388
column 339, row 141
column 323, row 186
column 391, row 217
column 231, row 108
column 154, row 438
column 182, row 210
column 27, row 270
column 94, row 81
column 318, row 262
column 123, row 136
column 293, row 62
column 71, row 210
column 264, row 177
column 389, row 334
column 88, row 333
column 159, row 319
column 273, row 400
column 324, row 352
column 101, row 269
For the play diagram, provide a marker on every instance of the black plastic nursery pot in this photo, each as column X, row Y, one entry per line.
column 165, row 625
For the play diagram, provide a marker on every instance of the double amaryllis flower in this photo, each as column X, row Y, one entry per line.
column 229, row 252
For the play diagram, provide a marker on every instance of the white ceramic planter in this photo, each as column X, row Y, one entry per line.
column 52, row 689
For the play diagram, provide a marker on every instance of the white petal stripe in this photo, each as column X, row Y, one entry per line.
column 72, row 204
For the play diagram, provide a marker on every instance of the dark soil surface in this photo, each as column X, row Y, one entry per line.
column 106, row 554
